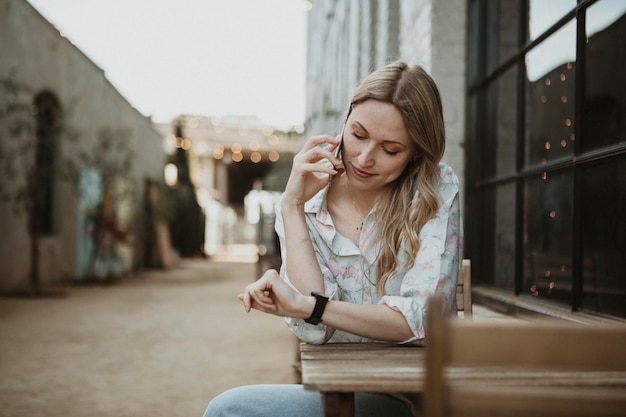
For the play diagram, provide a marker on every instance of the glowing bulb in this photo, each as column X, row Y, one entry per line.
column 170, row 173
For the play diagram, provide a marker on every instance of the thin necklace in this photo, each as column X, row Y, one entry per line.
column 358, row 212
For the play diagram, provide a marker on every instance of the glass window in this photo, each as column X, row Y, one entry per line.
column 543, row 14
column 501, row 125
column 604, row 245
column 566, row 114
column 504, row 237
column 550, row 98
column 502, row 31
column 605, row 85
column 497, row 227
column 548, row 236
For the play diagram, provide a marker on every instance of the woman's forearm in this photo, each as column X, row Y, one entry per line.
column 373, row 321
column 301, row 264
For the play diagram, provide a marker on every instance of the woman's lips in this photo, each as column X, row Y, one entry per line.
column 361, row 174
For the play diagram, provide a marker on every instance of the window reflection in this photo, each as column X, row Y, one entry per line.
column 604, row 245
column 558, row 49
column 502, row 30
column 604, row 14
column 543, row 14
column 550, row 99
column 605, row 84
column 548, row 236
column 502, row 124
column 504, row 248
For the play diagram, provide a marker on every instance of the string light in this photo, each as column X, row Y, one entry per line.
column 273, row 156
column 255, row 157
column 272, row 140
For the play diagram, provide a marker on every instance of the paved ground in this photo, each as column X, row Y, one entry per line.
column 160, row 343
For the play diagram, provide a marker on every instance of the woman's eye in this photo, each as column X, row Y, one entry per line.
column 356, row 135
column 392, row 153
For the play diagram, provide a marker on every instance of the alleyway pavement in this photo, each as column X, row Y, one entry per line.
column 159, row 343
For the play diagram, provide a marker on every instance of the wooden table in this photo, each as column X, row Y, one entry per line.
column 338, row 370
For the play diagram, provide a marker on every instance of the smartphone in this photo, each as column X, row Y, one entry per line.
column 337, row 152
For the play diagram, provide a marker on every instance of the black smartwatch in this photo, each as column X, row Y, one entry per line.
column 318, row 310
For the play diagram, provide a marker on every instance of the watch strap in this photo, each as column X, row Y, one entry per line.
column 318, row 310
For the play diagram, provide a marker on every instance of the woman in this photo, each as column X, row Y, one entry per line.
column 364, row 240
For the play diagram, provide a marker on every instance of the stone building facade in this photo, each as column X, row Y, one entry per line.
column 65, row 133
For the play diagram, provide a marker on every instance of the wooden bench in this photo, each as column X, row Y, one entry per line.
column 463, row 304
column 544, row 368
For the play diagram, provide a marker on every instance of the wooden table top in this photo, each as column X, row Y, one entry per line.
column 392, row 368
column 362, row 367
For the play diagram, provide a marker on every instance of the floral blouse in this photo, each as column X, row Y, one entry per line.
column 350, row 273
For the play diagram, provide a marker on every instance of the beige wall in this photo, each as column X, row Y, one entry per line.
column 36, row 55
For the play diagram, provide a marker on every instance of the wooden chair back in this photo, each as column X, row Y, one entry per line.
column 464, row 290
column 563, row 369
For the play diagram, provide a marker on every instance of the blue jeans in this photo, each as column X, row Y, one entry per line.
column 294, row 401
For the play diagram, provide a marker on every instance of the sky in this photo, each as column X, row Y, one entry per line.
column 201, row 57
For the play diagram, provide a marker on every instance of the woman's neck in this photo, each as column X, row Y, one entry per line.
column 364, row 200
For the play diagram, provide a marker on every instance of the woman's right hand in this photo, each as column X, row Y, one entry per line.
column 305, row 180
column 270, row 294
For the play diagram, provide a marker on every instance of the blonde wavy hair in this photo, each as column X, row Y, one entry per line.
column 398, row 215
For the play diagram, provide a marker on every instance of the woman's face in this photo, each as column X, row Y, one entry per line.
column 376, row 145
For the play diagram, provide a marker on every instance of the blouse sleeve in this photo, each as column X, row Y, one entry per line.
column 436, row 266
column 306, row 332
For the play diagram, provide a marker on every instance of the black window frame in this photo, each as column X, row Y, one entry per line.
column 478, row 247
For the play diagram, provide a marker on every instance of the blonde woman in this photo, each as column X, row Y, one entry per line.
column 365, row 239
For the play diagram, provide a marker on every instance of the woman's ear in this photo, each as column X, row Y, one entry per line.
column 417, row 158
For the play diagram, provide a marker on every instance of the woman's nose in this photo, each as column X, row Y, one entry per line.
column 366, row 157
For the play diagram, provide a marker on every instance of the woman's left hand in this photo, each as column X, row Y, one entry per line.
column 270, row 294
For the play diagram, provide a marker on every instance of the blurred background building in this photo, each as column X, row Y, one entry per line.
column 238, row 166
column 75, row 158
column 534, row 99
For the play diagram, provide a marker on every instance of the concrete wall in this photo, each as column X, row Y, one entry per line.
column 35, row 55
